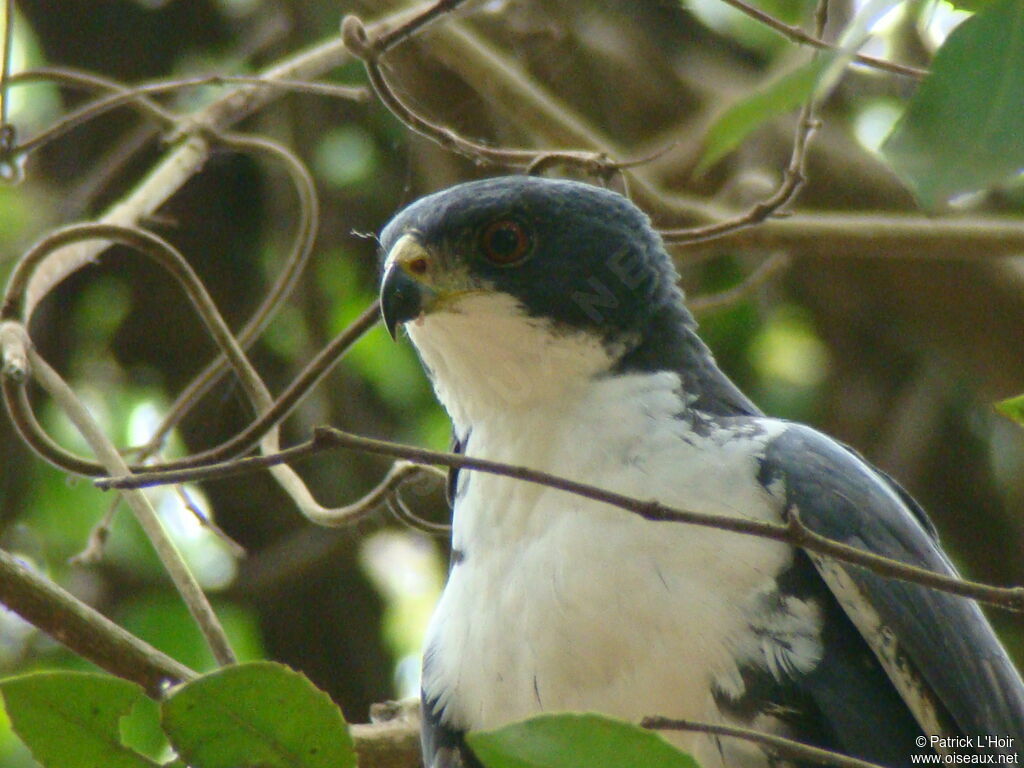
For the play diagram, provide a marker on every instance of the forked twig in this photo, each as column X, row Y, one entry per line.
column 15, row 309
column 370, row 49
column 792, row 181
column 798, row 35
column 793, row 177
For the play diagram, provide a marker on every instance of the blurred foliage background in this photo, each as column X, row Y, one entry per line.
column 898, row 356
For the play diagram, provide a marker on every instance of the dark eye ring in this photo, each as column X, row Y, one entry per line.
column 504, row 242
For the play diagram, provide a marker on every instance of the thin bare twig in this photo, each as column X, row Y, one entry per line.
column 171, row 260
column 207, row 522
column 793, row 177
column 90, row 81
column 168, row 257
column 371, row 48
column 383, row 494
column 15, row 308
column 7, row 41
column 793, row 531
column 310, row 376
column 781, row 746
column 798, row 35
column 189, row 155
column 126, row 96
column 501, row 78
column 363, row 46
column 766, row 270
column 388, row 39
column 792, row 181
column 403, row 513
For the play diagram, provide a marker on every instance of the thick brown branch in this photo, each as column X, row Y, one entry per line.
column 84, row 630
column 94, row 637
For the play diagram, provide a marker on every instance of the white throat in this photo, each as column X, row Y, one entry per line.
column 487, row 358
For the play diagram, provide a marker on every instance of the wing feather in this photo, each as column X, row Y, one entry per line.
column 937, row 649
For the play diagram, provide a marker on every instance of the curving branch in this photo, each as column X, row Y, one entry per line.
column 294, row 264
column 192, row 149
column 501, row 78
column 15, row 310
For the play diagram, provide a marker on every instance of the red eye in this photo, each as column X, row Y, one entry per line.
column 504, row 242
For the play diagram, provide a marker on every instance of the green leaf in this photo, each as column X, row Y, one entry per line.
column 1012, row 408
column 970, row 5
column 818, row 77
column 964, row 128
column 575, row 741
column 72, row 719
column 748, row 114
column 257, row 714
column 140, row 730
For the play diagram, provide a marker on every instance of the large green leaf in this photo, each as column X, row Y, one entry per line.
column 575, row 741
column 258, row 714
column 964, row 128
column 745, row 116
column 72, row 719
column 1013, row 408
column 818, row 77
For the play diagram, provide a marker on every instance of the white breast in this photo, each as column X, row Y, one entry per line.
column 561, row 603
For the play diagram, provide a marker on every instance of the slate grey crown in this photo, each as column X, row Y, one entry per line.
column 593, row 261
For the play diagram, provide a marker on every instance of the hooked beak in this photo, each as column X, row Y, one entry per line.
column 403, row 295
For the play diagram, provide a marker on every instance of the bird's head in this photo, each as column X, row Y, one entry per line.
column 515, row 288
